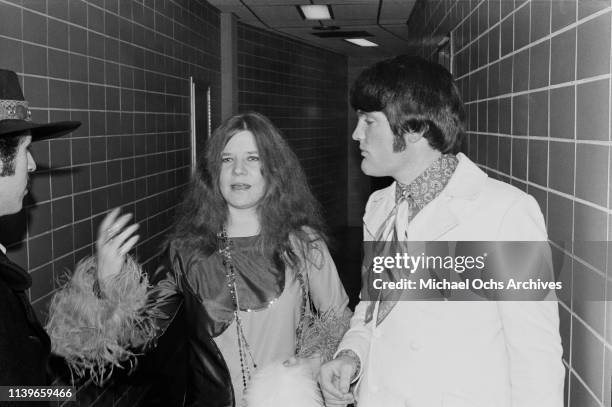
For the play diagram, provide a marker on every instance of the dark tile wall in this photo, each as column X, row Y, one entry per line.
column 303, row 90
column 360, row 185
column 535, row 75
column 122, row 68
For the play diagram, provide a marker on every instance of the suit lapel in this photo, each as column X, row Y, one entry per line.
column 18, row 280
column 441, row 215
column 433, row 221
column 454, row 203
column 378, row 213
column 13, row 275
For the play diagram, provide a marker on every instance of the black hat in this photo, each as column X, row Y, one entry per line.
column 15, row 113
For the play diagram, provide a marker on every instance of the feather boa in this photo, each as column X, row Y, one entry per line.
column 95, row 335
column 276, row 385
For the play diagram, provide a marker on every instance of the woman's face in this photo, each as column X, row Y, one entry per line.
column 241, row 181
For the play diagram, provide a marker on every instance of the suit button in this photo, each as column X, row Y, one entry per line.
column 377, row 333
column 414, row 345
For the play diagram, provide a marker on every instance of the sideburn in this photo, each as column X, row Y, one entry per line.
column 8, row 167
column 8, row 151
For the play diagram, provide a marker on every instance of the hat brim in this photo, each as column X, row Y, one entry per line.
column 39, row 131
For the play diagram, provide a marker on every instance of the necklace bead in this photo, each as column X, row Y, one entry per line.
column 225, row 246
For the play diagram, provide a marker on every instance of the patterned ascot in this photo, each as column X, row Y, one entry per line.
column 409, row 200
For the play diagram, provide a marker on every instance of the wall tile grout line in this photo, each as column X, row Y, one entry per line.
column 537, row 42
column 86, row 28
column 544, row 88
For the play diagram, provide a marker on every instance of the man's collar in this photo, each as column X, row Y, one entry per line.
column 2, row 249
column 468, row 181
column 428, row 185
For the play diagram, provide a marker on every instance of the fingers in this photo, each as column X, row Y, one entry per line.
column 328, row 381
column 333, row 401
column 114, row 237
column 120, row 239
column 108, row 221
column 344, row 380
column 123, row 250
column 118, row 226
column 334, row 379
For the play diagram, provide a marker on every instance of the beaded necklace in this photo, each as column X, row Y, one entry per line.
column 225, row 246
column 225, row 250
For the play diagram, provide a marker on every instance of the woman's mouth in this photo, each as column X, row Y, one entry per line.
column 240, row 187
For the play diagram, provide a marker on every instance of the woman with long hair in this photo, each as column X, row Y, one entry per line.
column 248, row 258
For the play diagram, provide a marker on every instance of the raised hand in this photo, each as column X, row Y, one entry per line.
column 114, row 241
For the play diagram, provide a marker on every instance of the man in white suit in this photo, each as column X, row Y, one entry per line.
column 439, row 353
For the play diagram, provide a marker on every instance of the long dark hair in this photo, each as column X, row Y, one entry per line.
column 288, row 210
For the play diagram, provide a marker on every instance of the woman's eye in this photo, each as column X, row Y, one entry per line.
column 369, row 121
column 226, row 159
column 253, row 158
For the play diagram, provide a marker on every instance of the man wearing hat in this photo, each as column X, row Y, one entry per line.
column 24, row 344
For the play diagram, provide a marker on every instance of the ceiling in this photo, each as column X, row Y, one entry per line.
column 385, row 20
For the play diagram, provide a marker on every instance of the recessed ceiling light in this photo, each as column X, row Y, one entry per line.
column 362, row 42
column 312, row 12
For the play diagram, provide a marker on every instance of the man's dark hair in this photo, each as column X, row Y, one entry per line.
column 415, row 95
column 8, row 149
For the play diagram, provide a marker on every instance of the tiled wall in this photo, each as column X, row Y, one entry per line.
column 535, row 76
column 122, row 68
column 359, row 184
column 302, row 89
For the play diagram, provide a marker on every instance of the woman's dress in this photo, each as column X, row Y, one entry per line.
column 270, row 299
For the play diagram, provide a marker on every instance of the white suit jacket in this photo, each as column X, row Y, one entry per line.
column 461, row 354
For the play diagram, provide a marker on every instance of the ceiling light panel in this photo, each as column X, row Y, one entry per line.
column 314, row 12
column 362, row 42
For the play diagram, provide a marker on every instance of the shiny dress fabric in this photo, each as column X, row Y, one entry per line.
column 208, row 380
column 200, row 281
column 24, row 345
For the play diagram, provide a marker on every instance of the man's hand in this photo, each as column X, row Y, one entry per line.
column 335, row 379
column 113, row 243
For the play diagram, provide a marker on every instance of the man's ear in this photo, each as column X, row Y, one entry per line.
column 413, row 136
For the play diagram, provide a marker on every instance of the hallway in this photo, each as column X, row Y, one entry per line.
column 534, row 75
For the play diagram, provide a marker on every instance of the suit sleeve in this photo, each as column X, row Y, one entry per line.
column 531, row 328
column 358, row 337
